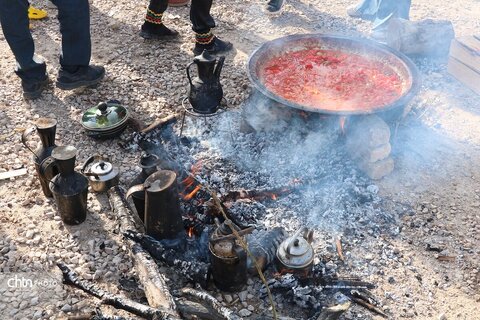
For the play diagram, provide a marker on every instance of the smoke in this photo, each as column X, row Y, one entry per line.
column 266, row 146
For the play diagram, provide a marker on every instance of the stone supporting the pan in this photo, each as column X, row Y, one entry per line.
column 367, row 137
column 368, row 142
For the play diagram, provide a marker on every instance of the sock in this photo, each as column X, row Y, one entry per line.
column 204, row 38
column 154, row 18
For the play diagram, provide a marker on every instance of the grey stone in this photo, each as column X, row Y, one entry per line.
column 228, row 298
column 244, row 313
column 66, row 308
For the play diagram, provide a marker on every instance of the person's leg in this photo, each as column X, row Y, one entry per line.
column 153, row 26
column 365, row 9
column 14, row 21
column 74, row 18
column 202, row 23
column 397, row 8
column 388, row 9
column 76, row 71
column 404, row 9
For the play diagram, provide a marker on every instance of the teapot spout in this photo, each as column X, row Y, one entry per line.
column 218, row 67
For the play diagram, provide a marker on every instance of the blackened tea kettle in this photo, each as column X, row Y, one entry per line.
column 205, row 92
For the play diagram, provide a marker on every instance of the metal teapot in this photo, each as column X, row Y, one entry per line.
column 205, row 92
column 101, row 173
column 46, row 128
column 295, row 254
column 69, row 188
column 228, row 259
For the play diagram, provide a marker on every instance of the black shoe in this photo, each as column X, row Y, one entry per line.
column 274, row 6
column 157, row 32
column 34, row 80
column 85, row 76
column 33, row 89
column 215, row 47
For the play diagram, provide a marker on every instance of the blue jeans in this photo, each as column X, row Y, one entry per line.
column 380, row 9
column 74, row 18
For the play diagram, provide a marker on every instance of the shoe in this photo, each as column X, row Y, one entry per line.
column 157, row 32
column 215, row 47
column 33, row 89
column 34, row 80
column 274, row 6
column 85, row 76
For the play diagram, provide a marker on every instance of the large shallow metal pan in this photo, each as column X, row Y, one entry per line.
column 405, row 68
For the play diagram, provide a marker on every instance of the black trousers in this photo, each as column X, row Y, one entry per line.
column 74, row 18
column 200, row 16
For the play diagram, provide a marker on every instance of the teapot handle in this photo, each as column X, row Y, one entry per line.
column 133, row 189
column 25, row 133
column 87, row 162
column 188, row 72
column 293, row 238
column 219, row 66
column 49, row 161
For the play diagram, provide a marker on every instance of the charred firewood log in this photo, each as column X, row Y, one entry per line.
column 95, row 315
column 211, row 301
column 263, row 245
column 70, row 277
column 195, row 271
column 156, row 289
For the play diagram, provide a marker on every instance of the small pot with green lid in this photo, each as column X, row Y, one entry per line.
column 105, row 120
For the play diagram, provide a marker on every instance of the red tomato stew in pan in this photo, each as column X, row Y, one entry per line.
column 332, row 80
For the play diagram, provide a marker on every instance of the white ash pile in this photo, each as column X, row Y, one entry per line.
column 308, row 157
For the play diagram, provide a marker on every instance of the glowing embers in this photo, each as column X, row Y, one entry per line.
column 332, row 80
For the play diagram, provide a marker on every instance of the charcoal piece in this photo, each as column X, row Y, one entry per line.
column 263, row 246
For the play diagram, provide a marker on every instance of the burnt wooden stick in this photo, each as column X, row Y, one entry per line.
column 259, row 194
column 154, row 283
column 95, row 316
column 338, row 244
column 160, row 123
column 340, row 283
column 369, row 306
column 333, row 313
column 213, row 303
column 70, row 277
column 139, row 127
column 192, row 270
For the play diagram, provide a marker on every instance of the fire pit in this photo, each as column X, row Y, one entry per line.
column 344, row 56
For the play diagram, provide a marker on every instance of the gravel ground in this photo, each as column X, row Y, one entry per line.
column 433, row 194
